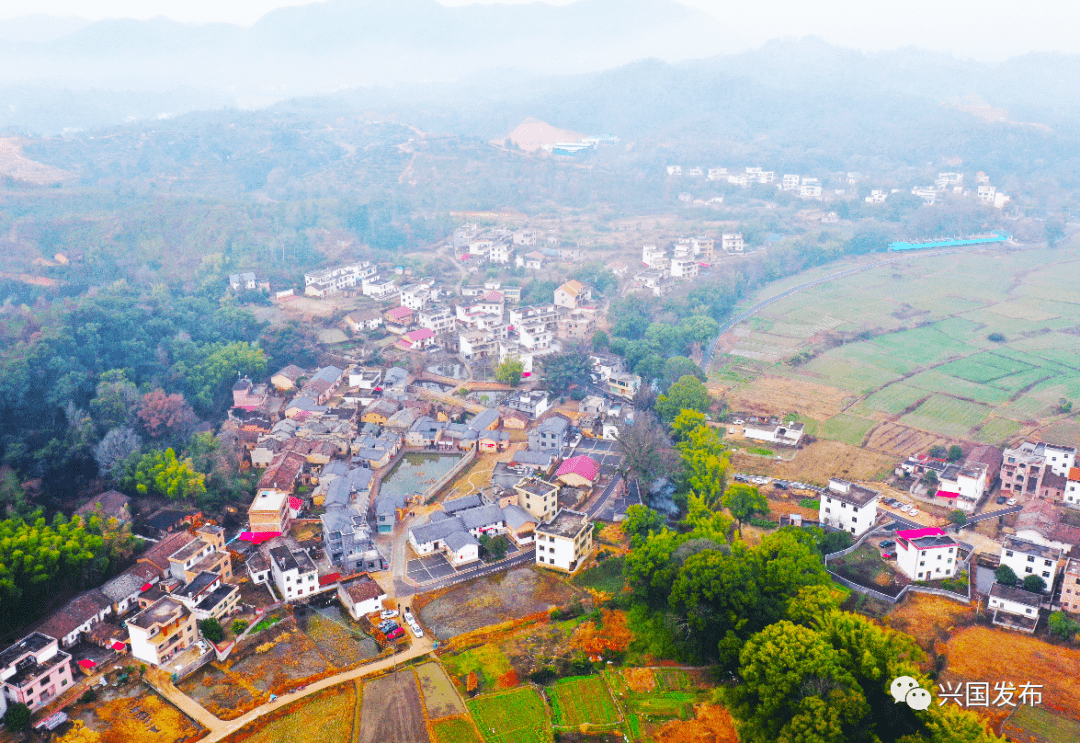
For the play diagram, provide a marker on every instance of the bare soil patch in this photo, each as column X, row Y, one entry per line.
column 817, row 462
column 497, row 598
column 391, row 712
column 143, row 719
column 774, row 395
column 929, row 619
column 898, row 440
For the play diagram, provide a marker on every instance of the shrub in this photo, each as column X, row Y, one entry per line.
column 996, row 338
column 810, row 503
column 87, row 696
column 211, row 630
column 1063, row 626
column 543, row 676
column 239, row 626
column 1005, row 576
column 1034, row 583
column 17, row 716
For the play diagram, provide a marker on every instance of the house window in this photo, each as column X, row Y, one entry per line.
column 1027, row 570
column 1008, row 553
column 1046, row 573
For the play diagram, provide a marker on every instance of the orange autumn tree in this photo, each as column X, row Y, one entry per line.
column 608, row 635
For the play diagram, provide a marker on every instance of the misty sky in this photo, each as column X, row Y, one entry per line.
column 987, row 29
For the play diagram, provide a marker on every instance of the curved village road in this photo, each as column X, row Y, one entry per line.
column 220, row 728
column 706, row 359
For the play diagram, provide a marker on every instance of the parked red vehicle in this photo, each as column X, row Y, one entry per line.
column 395, row 634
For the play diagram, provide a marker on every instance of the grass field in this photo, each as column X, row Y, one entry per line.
column 909, row 343
column 515, row 716
column 849, row 429
column 606, row 576
column 583, row 700
column 454, row 730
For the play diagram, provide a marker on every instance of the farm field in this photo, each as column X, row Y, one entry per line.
column 909, row 345
column 326, row 716
column 440, row 698
column 583, row 700
column 146, row 717
column 817, row 462
column 488, row 662
column 653, row 697
column 391, row 711
column 454, row 730
column 515, row 716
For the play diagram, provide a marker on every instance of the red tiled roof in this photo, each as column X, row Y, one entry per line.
column 492, row 296
column 419, row 334
column 87, row 663
column 295, row 503
column 947, row 494
column 1074, row 473
column 399, row 312
column 325, row 580
column 929, row 531
column 118, row 646
column 582, row 465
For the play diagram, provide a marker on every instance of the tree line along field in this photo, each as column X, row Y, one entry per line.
column 900, row 357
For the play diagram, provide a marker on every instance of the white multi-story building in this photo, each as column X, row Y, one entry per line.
column 848, row 507
column 732, row 242
column 294, row 573
column 718, row 174
column 333, row 280
column 564, row 542
column 927, row 554
column 416, row 297
column 986, row 193
column 1027, row 558
column 810, row 190
column 476, row 344
column 1072, row 487
column 161, row 631
column 877, row 196
column 438, row 320
column 652, row 256
column 526, row 238
column 378, row 288
column 500, row 253
column 535, row 336
column 684, row 267
column 790, row 182
column 674, row 170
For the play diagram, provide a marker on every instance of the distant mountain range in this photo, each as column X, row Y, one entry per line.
column 328, row 46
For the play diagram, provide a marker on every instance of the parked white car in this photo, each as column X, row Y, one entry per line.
column 1010, row 502
column 913, row 512
column 388, row 614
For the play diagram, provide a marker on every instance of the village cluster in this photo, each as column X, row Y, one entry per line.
column 325, row 441
column 1038, row 482
column 811, row 187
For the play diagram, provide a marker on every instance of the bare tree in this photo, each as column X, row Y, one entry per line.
column 647, row 450
column 116, row 446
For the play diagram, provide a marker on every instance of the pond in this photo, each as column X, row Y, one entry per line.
column 416, row 472
column 454, row 371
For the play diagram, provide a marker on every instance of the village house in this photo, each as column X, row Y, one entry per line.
column 108, row 505
column 848, row 507
column 379, row 288
column 733, row 242
column 330, row 281
column 293, row 572
column 323, row 384
column 205, row 553
column 532, row 403
column 623, row 385
column 551, row 434
column 538, row 497
column 578, row 324
column 361, row 596
column 286, row 378
column 206, row 596
column 248, row 396
column 1014, row 608
column 399, row 319
column 788, row 434
column 124, row 590
column 34, row 671
column 438, row 320
column 1027, row 558
column 565, row 542
column 161, row 631
column 359, row 321
column 570, row 294
column 416, row 296
column 1072, row 487
column 1070, row 587
column 416, row 340
column 1037, row 469
column 77, row 617
column 580, row 471
column 269, row 512
column 243, row 281
column 927, row 554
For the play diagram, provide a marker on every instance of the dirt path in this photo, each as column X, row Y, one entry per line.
column 221, row 728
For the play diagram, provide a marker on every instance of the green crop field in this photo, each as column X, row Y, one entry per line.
column 849, row 429
column 910, row 342
column 454, row 730
column 947, row 416
column 515, row 716
column 583, row 699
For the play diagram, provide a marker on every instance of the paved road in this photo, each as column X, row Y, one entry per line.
column 992, row 515
column 221, row 728
column 706, row 358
